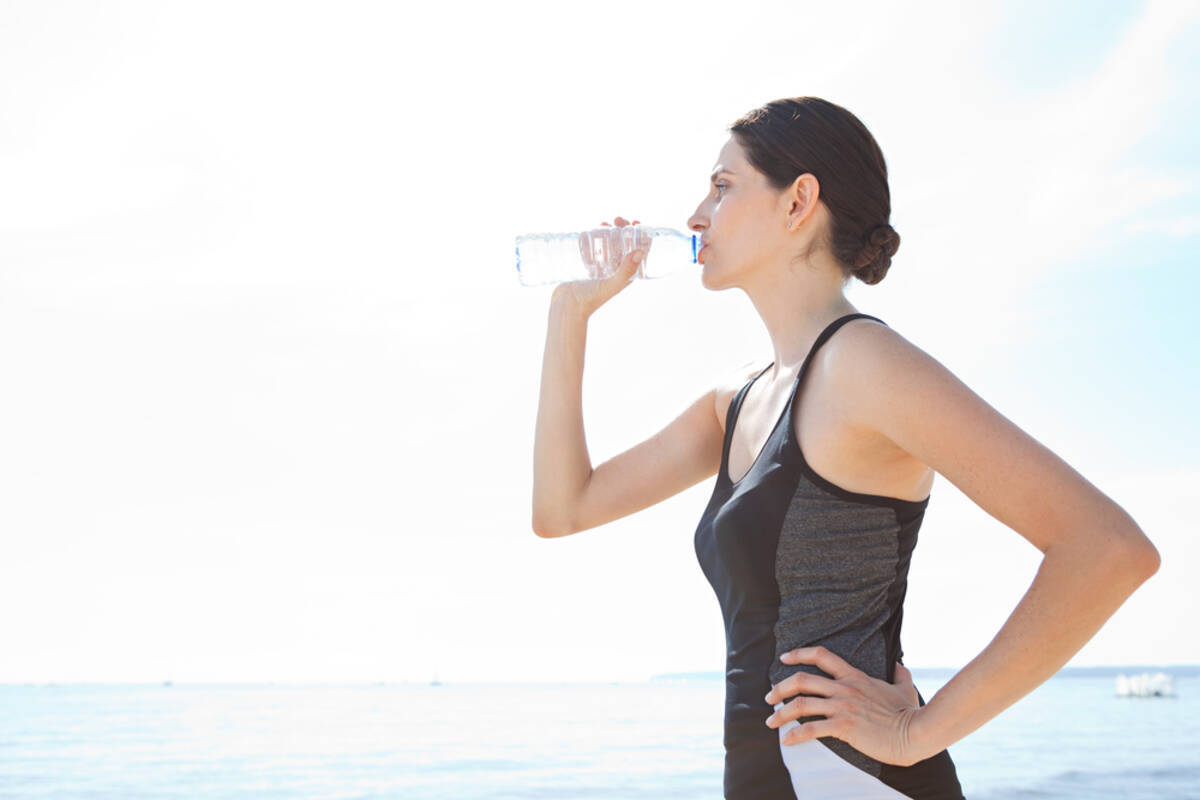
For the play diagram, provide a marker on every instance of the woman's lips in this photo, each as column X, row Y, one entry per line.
column 700, row 254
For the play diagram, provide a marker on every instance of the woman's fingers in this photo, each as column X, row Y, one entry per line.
column 615, row 250
column 801, row 683
column 802, row 707
column 813, row 730
column 822, row 657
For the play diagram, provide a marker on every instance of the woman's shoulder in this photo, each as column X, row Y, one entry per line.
column 864, row 356
column 859, row 340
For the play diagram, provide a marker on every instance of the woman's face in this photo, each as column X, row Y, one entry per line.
column 741, row 221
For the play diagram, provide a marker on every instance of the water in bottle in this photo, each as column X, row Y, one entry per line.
column 556, row 257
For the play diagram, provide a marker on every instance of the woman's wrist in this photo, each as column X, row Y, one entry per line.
column 562, row 301
column 924, row 733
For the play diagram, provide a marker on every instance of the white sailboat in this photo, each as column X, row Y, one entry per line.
column 1145, row 685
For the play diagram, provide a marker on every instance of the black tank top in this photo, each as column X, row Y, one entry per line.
column 797, row 561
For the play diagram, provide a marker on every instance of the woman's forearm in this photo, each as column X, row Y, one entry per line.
column 1080, row 583
column 561, row 465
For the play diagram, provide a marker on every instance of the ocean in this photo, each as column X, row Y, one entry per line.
column 1070, row 738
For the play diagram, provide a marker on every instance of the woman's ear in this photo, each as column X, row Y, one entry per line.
column 802, row 198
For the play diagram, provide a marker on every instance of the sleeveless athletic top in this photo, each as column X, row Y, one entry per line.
column 797, row 561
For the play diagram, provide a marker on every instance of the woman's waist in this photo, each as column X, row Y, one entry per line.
column 868, row 648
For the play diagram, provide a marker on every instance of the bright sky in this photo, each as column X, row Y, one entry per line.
column 270, row 382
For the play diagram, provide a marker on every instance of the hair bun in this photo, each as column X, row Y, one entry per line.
column 873, row 261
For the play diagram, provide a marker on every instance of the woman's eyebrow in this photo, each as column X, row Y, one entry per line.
column 713, row 177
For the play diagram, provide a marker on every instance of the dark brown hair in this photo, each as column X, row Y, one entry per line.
column 786, row 138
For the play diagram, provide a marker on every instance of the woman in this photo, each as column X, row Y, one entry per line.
column 822, row 483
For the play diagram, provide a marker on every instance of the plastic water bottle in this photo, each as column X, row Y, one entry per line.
column 556, row 257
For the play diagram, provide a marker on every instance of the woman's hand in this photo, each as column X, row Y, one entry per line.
column 872, row 716
column 593, row 293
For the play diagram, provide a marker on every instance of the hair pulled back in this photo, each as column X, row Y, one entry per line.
column 788, row 137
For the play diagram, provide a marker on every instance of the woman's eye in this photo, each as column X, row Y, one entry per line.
column 720, row 185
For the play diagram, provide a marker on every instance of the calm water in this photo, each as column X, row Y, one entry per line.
column 1070, row 738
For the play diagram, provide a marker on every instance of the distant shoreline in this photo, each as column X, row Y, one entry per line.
column 1107, row 671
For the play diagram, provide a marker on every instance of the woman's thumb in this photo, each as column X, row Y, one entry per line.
column 634, row 261
column 904, row 679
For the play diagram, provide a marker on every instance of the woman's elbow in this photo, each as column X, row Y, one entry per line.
column 1136, row 555
column 1146, row 558
column 1135, row 552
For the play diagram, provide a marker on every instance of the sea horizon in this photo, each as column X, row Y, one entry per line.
column 1100, row 670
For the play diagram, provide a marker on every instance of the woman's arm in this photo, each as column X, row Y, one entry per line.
column 1095, row 555
column 561, row 464
column 1084, row 577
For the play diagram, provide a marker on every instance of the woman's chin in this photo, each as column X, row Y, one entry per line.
column 709, row 280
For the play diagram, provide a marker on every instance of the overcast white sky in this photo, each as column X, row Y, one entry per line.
column 270, row 382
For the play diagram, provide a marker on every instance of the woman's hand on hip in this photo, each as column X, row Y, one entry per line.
column 872, row 716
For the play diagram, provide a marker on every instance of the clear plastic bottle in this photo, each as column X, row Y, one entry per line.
column 556, row 257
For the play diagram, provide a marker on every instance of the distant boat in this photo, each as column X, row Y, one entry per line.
column 1145, row 685
column 167, row 683
column 435, row 681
